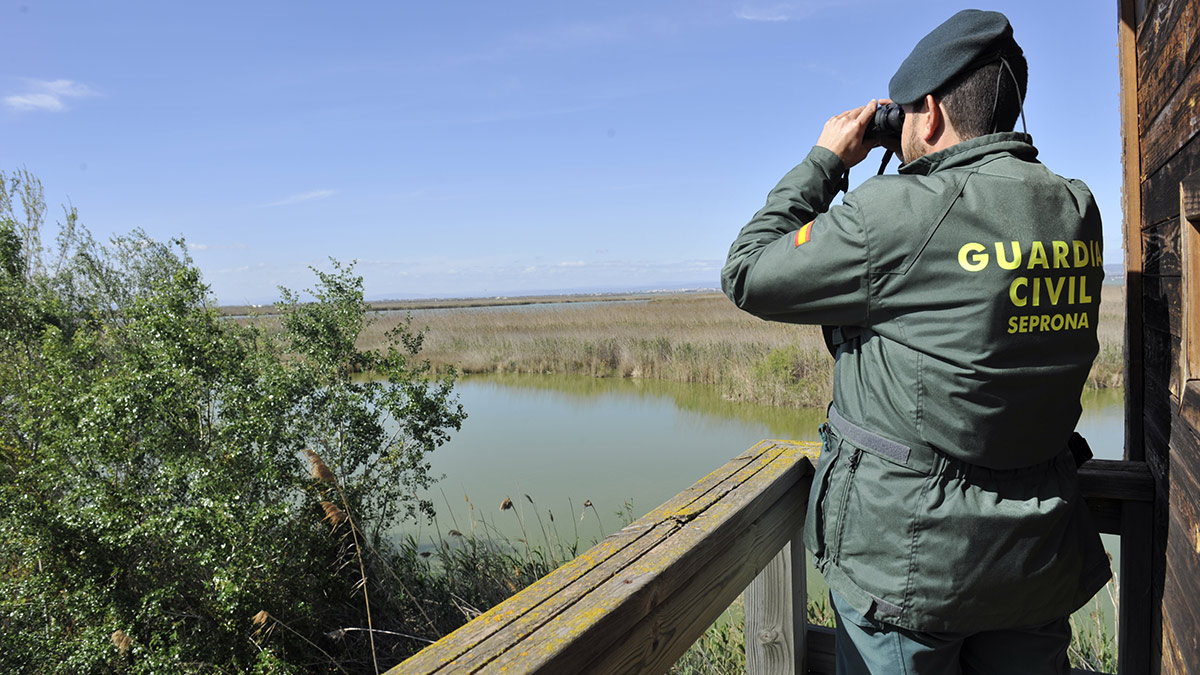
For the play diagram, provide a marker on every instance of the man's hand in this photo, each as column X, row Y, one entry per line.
column 843, row 134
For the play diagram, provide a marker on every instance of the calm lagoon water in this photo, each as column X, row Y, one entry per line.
column 551, row 443
column 626, row 445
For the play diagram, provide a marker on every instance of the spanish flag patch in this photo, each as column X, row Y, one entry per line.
column 804, row 234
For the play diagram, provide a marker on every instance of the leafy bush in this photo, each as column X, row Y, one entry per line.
column 182, row 492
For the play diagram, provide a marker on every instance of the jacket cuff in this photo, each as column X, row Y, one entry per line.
column 827, row 160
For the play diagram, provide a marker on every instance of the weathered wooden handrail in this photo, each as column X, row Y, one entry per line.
column 636, row 601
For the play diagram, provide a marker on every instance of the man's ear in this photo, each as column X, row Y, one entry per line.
column 934, row 121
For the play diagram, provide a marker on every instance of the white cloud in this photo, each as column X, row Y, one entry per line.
column 48, row 95
column 215, row 247
column 773, row 13
column 782, row 11
column 66, row 88
column 303, row 197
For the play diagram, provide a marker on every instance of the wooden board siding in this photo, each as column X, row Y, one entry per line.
column 1181, row 588
column 1160, row 249
column 1160, row 190
column 1163, row 311
column 1167, row 152
column 1168, row 40
column 1176, row 124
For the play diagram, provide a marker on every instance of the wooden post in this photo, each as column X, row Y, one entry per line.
column 776, row 615
column 1136, row 614
column 1131, row 197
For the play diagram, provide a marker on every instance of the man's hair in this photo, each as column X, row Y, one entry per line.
column 969, row 98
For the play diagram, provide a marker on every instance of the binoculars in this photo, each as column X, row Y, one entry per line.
column 887, row 121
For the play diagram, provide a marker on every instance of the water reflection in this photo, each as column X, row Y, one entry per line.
column 564, row 440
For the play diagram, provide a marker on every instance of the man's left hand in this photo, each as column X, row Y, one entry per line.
column 843, row 134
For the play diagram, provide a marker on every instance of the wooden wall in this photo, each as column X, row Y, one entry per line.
column 1162, row 150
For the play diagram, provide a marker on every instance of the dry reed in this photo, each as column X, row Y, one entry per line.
column 699, row 338
column 321, row 472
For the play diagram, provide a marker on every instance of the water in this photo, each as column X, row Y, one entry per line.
column 626, row 445
column 418, row 312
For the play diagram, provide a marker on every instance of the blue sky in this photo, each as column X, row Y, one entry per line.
column 483, row 148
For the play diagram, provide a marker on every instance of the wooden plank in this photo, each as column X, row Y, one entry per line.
column 1185, row 488
column 583, row 570
column 683, row 567
column 1160, row 188
column 1134, row 633
column 1172, row 661
column 1116, row 479
column 1189, row 188
column 1106, row 514
column 776, row 615
column 1143, row 17
column 1162, row 306
column 1170, row 49
column 1162, row 354
column 1159, row 409
column 1157, row 581
column 1175, row 125
column 1179, row 603
column 1160, row 249
column 608, row 600
column 1189, row 203
column 1108, row 485
column 1189, row 409
column 658, row 640
column 1130, row 15
column 1152, row 16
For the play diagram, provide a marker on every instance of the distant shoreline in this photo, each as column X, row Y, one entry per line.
column 518, row 300
column 498, row 301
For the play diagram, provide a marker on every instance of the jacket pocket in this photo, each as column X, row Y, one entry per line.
column 877, row 515
column 816, row 518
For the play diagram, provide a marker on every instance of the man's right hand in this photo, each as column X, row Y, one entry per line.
column 843, row 134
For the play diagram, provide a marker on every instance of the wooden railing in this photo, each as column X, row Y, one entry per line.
column 636, row 601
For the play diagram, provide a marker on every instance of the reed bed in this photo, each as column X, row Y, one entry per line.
column 698, row 338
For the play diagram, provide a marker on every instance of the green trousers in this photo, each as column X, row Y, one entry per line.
column 870, row 647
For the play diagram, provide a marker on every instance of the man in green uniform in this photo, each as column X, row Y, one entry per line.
column 961, row 298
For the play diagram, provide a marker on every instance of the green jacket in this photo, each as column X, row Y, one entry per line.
column 966, row 294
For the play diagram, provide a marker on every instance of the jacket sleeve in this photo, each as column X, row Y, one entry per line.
column 798, row 260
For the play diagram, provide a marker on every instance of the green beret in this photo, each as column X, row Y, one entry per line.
column 968, row 40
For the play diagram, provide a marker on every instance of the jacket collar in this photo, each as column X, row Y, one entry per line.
column 973, row 151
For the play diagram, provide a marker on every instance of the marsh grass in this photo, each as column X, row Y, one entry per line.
column 697, row 338
column 722, row 648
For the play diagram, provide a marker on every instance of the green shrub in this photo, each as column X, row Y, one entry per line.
column 183, row 493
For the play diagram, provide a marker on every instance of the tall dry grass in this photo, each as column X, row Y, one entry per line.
column 1109, row 368
column 698, row 338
